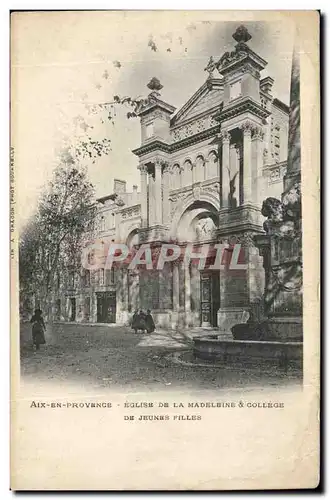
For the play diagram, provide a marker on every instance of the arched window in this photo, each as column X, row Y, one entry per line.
column 187, row 173
column 199, row 169
column 212, row 165
column 176, row 177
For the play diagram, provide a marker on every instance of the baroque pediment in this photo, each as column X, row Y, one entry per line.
column 207, row 97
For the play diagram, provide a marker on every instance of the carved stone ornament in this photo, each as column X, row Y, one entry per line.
column 292, row 202
column 155, row 85
column 130, row 212
column 272, row 209
column 177, row 197
column 211, row 66
column 258, row 133
column 119, row 201
column 280, row 220
column 197, row 191
column 247, row 127
column 241, row 34
column 245, row 239
column 143, row 168
column 225, row 136
column 205, row 228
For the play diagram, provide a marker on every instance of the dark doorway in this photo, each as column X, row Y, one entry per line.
column 73, row 309
column 210, row 298
column 106, row 307
column 58, row 309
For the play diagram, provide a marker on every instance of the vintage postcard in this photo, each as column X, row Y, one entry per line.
column 164, row 184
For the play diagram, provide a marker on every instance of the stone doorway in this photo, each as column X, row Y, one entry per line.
column 106, row 307
column 209, row 298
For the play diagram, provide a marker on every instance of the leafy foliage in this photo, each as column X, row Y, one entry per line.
column 51, row 243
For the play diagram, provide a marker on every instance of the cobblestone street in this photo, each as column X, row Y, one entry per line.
column 104, row 356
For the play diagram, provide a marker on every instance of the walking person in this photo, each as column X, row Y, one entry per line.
column 38, row 329
column 150, row 324
column 142, row 321
column 135, row 321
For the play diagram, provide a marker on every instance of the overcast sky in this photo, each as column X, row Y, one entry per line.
column 58, row 60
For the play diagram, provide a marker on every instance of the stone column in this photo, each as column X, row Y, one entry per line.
column 151, row 197
column 225, row 168
column 247, row 163
column 234, row 177
column 134, row 291
column 125, row 294
column 144, row 196
column 195, row 293
column 158, row 192
column 176, row 287
column 238, row 178
column 187, row 294
column 166, row 192
column 257, row 185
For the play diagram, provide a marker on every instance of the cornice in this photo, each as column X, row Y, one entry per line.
column 152, row 146
column 156, row 103
column 281, row 105
column 240, row 106
column 184, row 143
column 235, row 60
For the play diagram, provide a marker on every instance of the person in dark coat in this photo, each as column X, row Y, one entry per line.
column 135, row 321
column 38, row 329
column 150, row 324
column 142, row 321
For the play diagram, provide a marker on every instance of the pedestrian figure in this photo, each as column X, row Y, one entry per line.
column 135, row 321
column 150, row 324
column 142, row 321
column 38, row 329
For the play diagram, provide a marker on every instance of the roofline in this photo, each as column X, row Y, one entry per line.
column 157, row 103
column 281, row 105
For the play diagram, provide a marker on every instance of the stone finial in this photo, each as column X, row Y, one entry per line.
column 241, row 34
column 154, row 85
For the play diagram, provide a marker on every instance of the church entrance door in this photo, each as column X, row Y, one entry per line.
column 210, row 298
column 106, row 307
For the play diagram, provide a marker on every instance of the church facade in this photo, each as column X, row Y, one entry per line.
column 205, row 170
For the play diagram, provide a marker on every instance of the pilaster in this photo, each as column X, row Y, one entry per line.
column 247, row 163
column 151, row 198
column 257, row 155
column 225, row 185
column 158, row 192
column 166, row 190
column 144, row 195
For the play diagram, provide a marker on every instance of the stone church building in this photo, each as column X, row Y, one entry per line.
column 205, row 170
